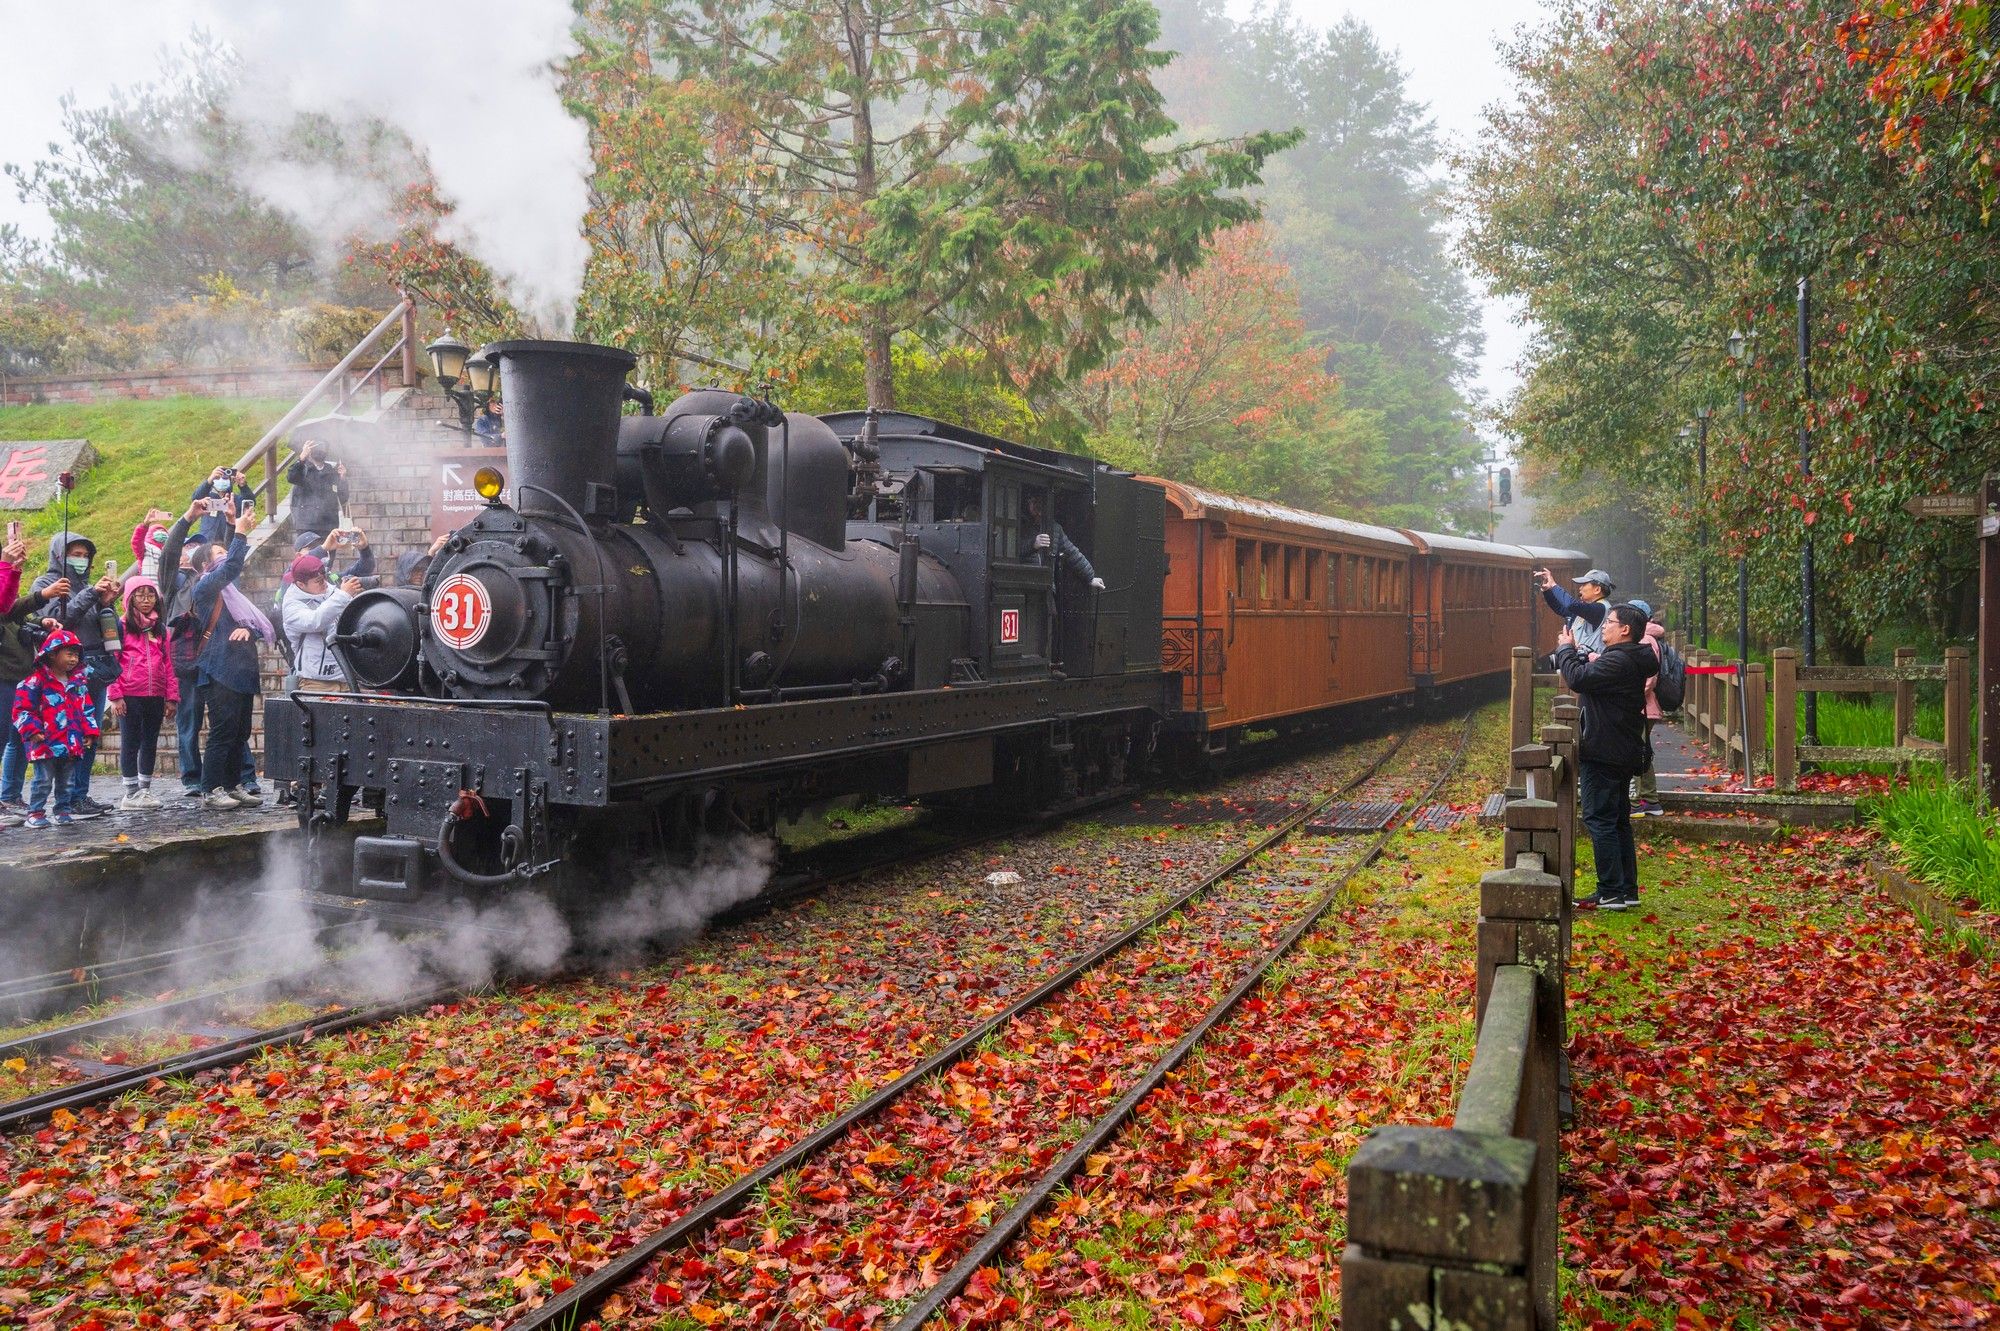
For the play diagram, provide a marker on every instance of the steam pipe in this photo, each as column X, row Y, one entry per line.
column 784, row 535
column 634, row 393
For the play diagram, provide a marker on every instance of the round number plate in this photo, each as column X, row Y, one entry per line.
column 460, row 611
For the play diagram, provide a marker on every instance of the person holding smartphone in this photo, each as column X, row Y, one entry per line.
column 319, row 488
column 70, row 595
column 227, row 628
column 225, row 486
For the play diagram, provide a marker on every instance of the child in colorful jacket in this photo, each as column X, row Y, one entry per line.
column 53, row 716
column 144, row 694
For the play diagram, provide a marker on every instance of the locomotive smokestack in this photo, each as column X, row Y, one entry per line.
column 563, row 402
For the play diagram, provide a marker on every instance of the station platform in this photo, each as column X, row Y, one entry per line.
column 177, row 822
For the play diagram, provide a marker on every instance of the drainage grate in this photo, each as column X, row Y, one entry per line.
column 1436, row 818
column 1359, row 816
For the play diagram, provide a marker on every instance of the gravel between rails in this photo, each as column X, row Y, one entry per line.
column 411, row 1169
column 843, row 1239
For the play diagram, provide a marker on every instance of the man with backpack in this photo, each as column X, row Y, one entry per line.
column 1614, row 747
column 1663, row 695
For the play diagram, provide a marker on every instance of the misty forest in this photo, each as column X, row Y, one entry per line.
column 1226, row 248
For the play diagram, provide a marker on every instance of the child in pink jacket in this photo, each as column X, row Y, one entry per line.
column 144, row 694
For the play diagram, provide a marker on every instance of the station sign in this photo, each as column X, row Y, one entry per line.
column 453, row 500
column 1942, row 506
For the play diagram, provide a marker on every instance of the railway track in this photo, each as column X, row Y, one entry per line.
column 576, row 1303
column 225, row 1043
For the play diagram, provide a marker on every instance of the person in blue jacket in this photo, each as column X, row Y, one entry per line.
column 1582, row 614
column 227, row 627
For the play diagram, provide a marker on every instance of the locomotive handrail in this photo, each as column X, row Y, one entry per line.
column 266, row 448
column 300, row 696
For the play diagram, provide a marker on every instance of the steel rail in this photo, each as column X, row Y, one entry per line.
column 17, row 1114
column 1003, row 1231
column 570, row 1307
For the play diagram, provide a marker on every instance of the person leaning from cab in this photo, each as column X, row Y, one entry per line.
column 1068, row 558
column 1614, row 747
column 1582, row 614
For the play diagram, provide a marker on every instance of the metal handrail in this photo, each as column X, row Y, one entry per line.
column 266, row 448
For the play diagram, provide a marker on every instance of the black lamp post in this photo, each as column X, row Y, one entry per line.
column 452, row 361
column 1810, row 654
column 1699, row 433
column 1739, row 351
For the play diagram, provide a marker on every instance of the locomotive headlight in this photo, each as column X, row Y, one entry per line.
column 489, row 483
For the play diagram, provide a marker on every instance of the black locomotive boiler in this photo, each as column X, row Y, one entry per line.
column 696, row 620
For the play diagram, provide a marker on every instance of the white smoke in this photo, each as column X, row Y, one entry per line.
column 479, row 98
column 677, row 903
column 475, row 91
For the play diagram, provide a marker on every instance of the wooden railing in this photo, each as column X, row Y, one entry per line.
column 344, row 384
column 1724, row 712
column 1791, row 679
column 1457, row 1226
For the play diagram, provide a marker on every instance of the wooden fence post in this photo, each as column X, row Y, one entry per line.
column 1785, row 717
column 1957, row 713
column 1521, row 699
column 1754, row 755
column 1906, row 703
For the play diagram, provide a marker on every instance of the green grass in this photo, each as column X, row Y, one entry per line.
column 1944, row 837
column 149, row 454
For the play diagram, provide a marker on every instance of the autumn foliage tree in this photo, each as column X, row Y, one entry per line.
column 1223, row 386
column 1669, row 174
column 977, row 171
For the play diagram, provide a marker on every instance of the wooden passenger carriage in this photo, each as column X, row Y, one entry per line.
column 1273, row 614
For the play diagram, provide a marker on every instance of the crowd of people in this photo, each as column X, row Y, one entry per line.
column 174, row 637
column 1611, row 654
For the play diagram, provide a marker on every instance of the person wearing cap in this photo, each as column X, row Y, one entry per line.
column 312, row 609
column 1582, row 614
column 1613, row 748
column 1646, row 785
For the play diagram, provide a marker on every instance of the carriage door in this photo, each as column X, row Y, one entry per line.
column 1426, row 594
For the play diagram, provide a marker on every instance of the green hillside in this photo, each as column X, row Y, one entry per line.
column 149, row 454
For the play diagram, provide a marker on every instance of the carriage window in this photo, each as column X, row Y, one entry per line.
column 1295, row 587
column 1267, row 572
column 1246, row 569
column 1315, row 591
column 1005, row 541
column 1396, row 597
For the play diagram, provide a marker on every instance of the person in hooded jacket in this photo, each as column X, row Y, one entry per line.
column 229, row 627
column 70, row 559
column 52, row 712
column 1611, row 691
column 145, row 694
column 182, row 562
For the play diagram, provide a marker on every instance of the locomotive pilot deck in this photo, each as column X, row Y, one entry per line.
column 421, row 754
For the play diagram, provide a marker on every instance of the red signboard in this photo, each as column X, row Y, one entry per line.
column 460, row 612
column 1010, row 626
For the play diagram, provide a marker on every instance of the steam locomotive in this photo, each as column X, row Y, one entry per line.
column 692, row 621
column 695, row 620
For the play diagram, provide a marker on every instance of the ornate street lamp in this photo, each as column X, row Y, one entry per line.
column 452, row 362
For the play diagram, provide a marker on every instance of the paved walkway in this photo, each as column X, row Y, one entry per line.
column 176, row 820
column 1682, row 765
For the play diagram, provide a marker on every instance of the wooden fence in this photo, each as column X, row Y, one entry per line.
column 1790, row 679
column 1457, row 1226
column 1723, row 713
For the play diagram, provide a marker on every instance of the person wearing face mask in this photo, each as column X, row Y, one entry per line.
column 77, row 605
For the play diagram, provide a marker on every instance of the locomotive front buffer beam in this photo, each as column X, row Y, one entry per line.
column 529, row 774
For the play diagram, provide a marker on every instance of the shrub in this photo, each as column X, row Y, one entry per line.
column 1943, row 836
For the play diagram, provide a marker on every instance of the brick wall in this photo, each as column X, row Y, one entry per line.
column 391, row 471
column 240, row 381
